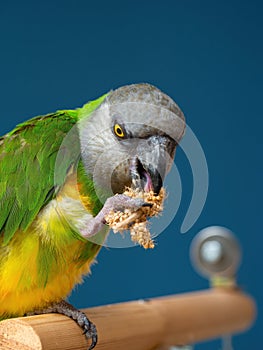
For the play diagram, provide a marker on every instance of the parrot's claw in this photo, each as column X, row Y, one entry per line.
column 64, row 308
column 90, row 332
column 119, row 202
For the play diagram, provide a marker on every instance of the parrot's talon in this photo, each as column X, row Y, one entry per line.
column 64, row 308
column 90, row 332
column 146, row 204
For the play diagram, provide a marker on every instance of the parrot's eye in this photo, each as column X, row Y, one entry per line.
column 119, row 131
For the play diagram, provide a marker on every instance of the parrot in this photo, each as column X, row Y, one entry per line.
column 60, row 175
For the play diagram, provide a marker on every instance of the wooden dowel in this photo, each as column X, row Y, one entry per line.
column 141, row 325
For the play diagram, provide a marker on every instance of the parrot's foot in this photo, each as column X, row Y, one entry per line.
column 118, row 202
column 64, row 308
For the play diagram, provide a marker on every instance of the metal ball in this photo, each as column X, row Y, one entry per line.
column 215, row 251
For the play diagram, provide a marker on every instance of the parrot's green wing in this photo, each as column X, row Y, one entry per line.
column 28, row 156
column 27, row 159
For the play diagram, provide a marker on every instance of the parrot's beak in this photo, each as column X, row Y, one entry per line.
column 154, row 159
column 145, row 178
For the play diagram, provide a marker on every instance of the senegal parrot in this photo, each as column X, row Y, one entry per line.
column 61, row 174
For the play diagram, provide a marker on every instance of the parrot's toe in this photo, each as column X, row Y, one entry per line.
column 122, row 202
column 90, row 332
column 64, row 308
column 89, row 328
column 119, row 202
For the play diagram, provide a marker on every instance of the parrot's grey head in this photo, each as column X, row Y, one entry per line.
column 131, row 137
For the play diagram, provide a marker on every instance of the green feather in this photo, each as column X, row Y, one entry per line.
column 2, row 188
column 88, row 189
column 28, row 157
column 47, row 256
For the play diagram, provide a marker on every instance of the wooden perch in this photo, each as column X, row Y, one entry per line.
column 141, row 325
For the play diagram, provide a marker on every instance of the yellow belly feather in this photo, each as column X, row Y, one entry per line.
column 20, row 290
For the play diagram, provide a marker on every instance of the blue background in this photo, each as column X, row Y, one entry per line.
column 208, row 56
